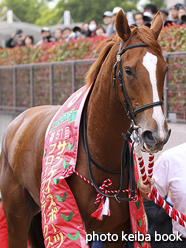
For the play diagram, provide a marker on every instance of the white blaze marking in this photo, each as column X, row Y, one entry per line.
column 150, row 63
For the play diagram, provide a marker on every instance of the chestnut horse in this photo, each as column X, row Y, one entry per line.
column 139, row 86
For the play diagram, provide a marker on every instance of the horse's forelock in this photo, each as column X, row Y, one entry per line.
column 147, row 37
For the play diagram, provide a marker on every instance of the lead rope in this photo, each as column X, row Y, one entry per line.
column 154, row 195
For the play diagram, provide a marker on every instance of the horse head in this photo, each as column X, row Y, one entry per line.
column 141, row 74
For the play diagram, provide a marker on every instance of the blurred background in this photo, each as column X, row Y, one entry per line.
column 31, row 15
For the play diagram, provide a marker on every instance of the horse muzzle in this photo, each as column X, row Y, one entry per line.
column 152, row 142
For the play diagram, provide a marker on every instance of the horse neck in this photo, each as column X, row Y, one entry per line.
column 106, row 121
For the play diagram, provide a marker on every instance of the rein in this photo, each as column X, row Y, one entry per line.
column 124, row 167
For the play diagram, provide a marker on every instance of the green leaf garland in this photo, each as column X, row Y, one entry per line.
column 73, row 238
column 63, row 198
column 64, row 164
column 67, row 218
column 70, row 147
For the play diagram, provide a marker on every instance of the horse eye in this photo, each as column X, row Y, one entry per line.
column 128, row 71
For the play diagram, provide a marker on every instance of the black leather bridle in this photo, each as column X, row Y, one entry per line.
column 127, row 103
column 127, row 153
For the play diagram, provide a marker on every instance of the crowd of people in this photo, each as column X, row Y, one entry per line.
column 176, row 14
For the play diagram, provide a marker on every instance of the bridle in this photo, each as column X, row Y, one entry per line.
column 127, row 103
column 126, row 151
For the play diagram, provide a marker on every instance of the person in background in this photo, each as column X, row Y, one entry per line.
column 45, row 36
column 77, row 32
column 29, row 40
column 150, row 11
column 138, row 17
column 111, row 27
column 169, row 174
column 129, row 244
column 100, row 31
column 151, row 8
column 97, row 244
column 158, row 221
column 84, row 29
column 17, row 39
column 58, row 35
column 181, row 15
column 174, row 12
column 147, row 17
column 92, row 28
column 66, row 35
column 107, row 17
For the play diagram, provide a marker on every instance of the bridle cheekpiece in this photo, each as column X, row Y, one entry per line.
column 127, row 103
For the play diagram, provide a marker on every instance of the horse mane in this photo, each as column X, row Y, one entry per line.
column 104, row 49
column 143, row 33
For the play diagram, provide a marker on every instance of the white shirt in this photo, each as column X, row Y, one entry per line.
column 170, row 173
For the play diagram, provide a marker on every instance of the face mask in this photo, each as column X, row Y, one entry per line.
column 78, row 33
column 92, row 27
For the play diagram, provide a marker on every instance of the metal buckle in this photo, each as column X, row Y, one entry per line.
column 118, row 57
column 117, row 199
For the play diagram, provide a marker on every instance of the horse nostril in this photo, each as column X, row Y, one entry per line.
column 148, row 137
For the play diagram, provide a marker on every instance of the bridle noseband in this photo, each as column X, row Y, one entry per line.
column 126, row 151
column 127, row 103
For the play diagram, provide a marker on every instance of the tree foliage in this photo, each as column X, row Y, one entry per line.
column 38, row 12
column 26, row 10
column 49, row 17
column 85, row 10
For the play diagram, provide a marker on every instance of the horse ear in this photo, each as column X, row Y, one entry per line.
column 122, row 27
column 157, row 25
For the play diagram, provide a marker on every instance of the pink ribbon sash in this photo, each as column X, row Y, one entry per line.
column 61, row 221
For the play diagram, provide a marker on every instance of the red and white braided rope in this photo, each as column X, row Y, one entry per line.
column 103, row 187
column 150, row 165
column 154, row 195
